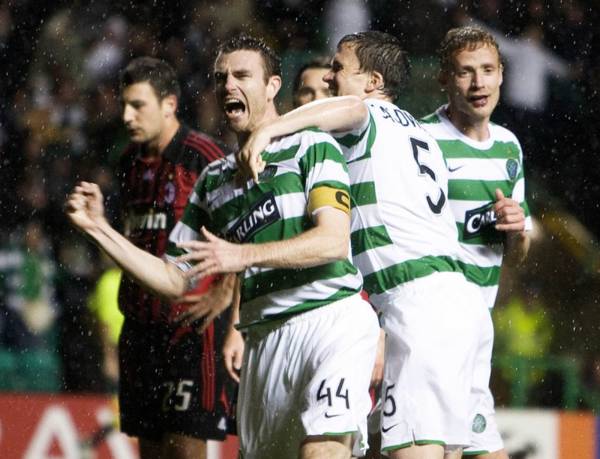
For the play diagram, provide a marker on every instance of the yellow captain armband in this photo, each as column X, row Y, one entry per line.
column 325, row 196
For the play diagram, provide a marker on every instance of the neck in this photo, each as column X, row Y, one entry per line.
column 476, row 129
column 158, row 146
column 269, row 116
column 377, row 94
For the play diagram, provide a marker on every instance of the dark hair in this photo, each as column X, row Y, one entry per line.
column 321, row 62
column 383, row 53
column 271, row 61
column 158, row 73
column 462, row 38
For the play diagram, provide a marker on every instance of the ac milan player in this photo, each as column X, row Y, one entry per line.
column 171, row 388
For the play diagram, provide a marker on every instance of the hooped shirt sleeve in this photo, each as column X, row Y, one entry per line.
column 325, row 172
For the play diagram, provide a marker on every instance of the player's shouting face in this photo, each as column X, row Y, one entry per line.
column 473, row 82
column 144, row 114
column 242, row 88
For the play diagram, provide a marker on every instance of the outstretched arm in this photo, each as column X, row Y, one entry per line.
column 85, row 209
column 332, row 114
column 327, row 241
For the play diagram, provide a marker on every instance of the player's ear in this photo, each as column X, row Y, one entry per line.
column 273, row 86
column 376, row 82
column 169, row 105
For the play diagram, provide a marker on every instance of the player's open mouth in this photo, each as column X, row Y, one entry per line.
column 478, row 101
column 234, row 107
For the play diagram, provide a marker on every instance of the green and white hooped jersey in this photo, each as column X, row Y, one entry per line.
column 475, row 170
column 272, row 210
column 402, row 226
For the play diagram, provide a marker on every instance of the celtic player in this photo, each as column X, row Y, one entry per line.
column 486, row 190
column 310, row 337
column 405, row 243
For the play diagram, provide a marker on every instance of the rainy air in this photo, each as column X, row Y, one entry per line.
column 286, row 229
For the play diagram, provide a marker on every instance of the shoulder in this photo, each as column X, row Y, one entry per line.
column 301, row 141
column 127, row 159
column 205, row 144
column 502, row 134
column 432, row 118
column 129, row 153
column 198, row 150
column 436, row 124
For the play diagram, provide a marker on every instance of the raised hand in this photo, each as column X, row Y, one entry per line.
column 510, row 216
column 248, row 158
column 85, row 206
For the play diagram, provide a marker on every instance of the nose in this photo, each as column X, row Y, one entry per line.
column 128, row 113
column 328, row 77
column 229, row 82
column 477, row 81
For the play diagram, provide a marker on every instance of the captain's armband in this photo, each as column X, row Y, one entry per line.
column 325, row 196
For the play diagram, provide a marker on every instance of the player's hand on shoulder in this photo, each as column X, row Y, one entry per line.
column 85, row 206
column 233, row 351
column 248, row 158
column 510, row 216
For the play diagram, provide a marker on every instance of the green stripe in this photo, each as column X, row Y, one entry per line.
column 318, row 153
column 525, row 207
column 392, row 276
column 372, row 134
column 369, row 238
column 331, row 184
column 363, row 194
column 431, row 119
column 265, row 283
column 280, row 155
column 475, row 453
column 349, row 140
column 300, row 308
column 482, row 276
column 212, row 181
column 194, row 213
column 288, row 182
column 343, row 292
column 340, row 433
column 282, row 229
column 478, row 190
column 459, row 149
column 414, row 443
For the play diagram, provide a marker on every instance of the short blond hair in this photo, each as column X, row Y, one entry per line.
column 461, row 38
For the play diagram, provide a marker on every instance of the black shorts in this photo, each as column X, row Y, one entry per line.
column 172, row 380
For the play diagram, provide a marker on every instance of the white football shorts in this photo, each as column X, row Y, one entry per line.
column 307, row 376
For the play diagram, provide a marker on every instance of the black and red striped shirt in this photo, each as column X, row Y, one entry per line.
column 154, row 193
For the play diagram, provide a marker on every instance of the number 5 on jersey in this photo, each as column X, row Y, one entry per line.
column 417, row 147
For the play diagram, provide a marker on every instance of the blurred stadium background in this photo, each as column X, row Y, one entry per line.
column 60, row 122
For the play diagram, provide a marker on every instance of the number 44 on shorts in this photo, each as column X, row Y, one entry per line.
column 324, row 392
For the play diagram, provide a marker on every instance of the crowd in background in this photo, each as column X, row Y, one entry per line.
column 60, row 123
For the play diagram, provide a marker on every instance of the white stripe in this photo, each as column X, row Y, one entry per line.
column 182, row 232
column 484, row 256
column 477, row 169
column 278, row 302
column 325, row 171
column 460, row 207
